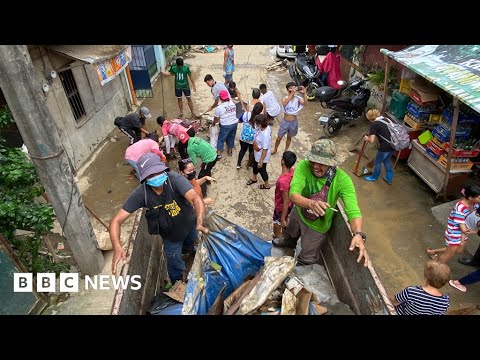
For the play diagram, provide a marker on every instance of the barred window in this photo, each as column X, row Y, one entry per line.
column 71, row 90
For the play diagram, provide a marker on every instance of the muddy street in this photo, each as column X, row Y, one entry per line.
column 397, row 219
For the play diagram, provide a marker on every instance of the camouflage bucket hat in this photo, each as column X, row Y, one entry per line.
column 324, row 151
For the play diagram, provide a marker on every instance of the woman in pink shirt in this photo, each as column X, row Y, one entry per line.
column 142, row 147
column 176, row 128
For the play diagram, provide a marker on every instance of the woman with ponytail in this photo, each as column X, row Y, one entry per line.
column 457, row 230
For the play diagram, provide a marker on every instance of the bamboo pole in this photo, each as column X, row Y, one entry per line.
column 385, row 84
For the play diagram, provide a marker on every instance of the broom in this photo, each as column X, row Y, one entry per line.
column 362, row 170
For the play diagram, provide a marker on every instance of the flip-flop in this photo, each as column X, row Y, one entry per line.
column 460, row 287
column 250, row 182
column 263, row 187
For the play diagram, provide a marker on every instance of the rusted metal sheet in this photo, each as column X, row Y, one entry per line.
column 356, row 285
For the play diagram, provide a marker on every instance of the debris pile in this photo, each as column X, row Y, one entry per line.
column 206, row 48
column 234, row 274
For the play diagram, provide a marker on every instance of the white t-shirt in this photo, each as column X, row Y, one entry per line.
column 227, row 112
column 273, row 107
column 293, row 107
column 263, row 140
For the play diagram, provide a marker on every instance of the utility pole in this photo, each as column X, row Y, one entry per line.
column 26, row 100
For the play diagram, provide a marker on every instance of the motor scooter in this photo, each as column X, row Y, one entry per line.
column 346, row 109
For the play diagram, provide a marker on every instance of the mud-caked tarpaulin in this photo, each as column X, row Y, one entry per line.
column 226, row 256
column 453, row 68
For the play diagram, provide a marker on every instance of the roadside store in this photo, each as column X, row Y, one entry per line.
column 439, row 104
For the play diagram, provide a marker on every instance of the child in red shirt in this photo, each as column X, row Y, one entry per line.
column 283, row 206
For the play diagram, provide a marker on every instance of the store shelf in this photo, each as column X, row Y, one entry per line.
column 421, row 149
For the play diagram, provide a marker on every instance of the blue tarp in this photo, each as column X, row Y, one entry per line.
column 226, row 256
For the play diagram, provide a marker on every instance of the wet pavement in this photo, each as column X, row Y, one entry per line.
column 397, row 218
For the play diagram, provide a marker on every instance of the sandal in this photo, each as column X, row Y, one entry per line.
column 250, row 182
column 263, row 187
column 180, row 116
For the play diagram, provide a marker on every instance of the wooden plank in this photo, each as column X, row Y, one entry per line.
column 234, row 308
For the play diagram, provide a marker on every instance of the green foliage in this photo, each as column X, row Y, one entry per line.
column 19, row 187
column 6, row 117
column 15, row 170
column 376, row 76
column 27, row 250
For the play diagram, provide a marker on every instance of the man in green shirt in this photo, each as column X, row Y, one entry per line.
column 182, row 74
column 311, row 219
column 197, row 147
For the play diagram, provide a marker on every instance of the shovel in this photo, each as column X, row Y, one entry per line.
column 362, row 170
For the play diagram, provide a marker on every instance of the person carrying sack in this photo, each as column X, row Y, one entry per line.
column 316, row 186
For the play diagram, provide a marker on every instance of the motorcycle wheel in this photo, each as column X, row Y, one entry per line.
column 333, row 125
column 311, row 91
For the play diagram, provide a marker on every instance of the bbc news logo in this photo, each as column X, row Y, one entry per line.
column 69, row 282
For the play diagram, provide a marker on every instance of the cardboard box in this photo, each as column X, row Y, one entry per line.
column 423, row 92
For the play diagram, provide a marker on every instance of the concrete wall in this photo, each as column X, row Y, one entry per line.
column 102, row 103
column 375, row 101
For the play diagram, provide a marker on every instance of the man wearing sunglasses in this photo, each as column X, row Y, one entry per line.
column 174, row 210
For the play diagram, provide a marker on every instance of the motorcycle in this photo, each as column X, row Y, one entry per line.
column 346, row 109
column 306, row 73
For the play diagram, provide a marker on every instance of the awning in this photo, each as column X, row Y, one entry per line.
column 108, row 60
column 453, row 68
column 89, row 53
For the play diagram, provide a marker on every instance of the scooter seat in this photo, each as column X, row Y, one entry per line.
column 325, row 93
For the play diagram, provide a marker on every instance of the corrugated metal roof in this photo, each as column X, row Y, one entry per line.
column 89, row 53
column 453, row 68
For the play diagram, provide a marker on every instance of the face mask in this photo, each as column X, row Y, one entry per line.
column 191, row 176
column 157, row 181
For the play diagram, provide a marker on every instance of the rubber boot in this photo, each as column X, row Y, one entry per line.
column 388, row 178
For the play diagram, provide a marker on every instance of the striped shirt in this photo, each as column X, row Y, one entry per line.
column 457, row 216
column 416, row 301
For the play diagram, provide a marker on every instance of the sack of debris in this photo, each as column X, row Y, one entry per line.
column 233, row 273
column 225, row 258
